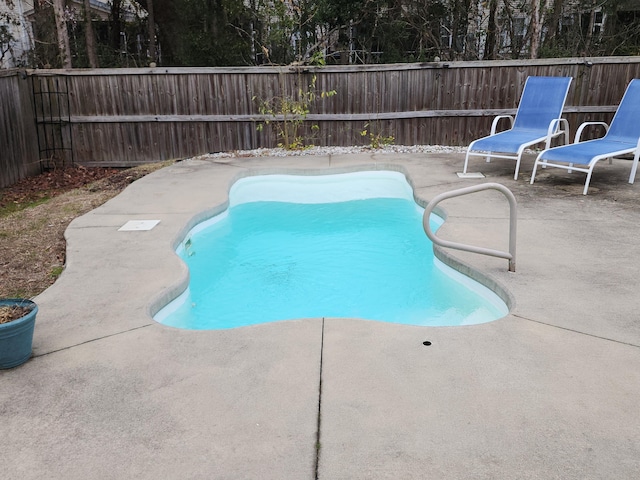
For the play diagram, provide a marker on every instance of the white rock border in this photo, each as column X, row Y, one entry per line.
column 281, row 152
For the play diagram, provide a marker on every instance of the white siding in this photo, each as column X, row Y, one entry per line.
column 12, row 16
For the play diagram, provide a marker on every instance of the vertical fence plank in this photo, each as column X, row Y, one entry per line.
column 18, row 139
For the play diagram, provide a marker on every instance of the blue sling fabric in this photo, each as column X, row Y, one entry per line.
column 622, row 136
column 542, row 101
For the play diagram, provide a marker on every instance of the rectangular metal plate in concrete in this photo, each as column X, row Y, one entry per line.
column 470, row 175
column 138, row 225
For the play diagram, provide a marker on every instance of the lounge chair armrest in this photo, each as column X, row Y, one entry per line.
column 494, row 125
column 587, row 124
column 558, row 125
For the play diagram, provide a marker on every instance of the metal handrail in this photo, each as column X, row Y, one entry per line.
column 510, row 255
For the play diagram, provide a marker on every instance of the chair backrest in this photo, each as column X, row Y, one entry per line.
column 625, row 126
column 542, row 101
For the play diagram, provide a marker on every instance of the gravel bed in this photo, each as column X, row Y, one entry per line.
column 281, row 152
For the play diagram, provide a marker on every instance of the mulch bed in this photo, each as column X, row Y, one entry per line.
column 51, row 183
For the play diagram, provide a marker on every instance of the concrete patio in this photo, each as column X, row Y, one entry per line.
column 551, row 391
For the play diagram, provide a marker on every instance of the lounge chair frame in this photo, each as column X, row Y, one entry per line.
column 556, row 126
column 618, row 146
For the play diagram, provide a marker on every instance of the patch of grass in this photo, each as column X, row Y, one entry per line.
column 56, row 271
column 19, row 293
column 13, row 207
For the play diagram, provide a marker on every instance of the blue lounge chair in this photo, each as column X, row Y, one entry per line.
column 622, row 137
column 537, row 120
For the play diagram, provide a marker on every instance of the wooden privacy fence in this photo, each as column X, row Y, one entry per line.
column 124, row 117
column 19, row 155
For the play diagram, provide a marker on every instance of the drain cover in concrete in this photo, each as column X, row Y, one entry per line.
column 138, row 225
column 470, row 175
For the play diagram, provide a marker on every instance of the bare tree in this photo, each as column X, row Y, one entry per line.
column 539, row 12
column 116, row 24
column 473, row 31
column 553, row 20
column 535, row 28
column 90, row 38
column 62, row 34
column 151, row 23
column 492, row 32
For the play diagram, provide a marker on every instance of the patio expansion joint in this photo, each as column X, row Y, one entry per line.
column 68, row 347
column 319, row 418
column 575, row 331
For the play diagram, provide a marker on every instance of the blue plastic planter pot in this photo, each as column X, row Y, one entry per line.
column 16, row 337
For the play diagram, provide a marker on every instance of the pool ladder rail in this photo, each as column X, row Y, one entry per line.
column 510, row 255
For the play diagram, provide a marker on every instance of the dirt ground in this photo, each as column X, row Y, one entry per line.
column 35, row 212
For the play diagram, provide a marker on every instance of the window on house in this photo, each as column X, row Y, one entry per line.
column 598, row 22
column 518, row 30
column 513, row 38
column 446, row 39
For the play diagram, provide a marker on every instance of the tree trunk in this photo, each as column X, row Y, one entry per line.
column 554, row 22
column 492, row 32
column 151, row 24
column 589, row 35
column 538, row 9
column 534, row 29
column 473, row 30
column 63, row 36
column 115, row 25
column 89, row 36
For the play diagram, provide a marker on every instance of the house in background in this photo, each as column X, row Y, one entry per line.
column 28, row 28
column 579, row 27
column 16, row 35
column 100, row 9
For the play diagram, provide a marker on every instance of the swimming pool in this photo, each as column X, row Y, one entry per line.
column 341, row 245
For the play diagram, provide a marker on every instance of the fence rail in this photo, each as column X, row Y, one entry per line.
column 124, row 117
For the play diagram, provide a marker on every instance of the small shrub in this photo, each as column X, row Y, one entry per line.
column 376, row 140
column 288, row 113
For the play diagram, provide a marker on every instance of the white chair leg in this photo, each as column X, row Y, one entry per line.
column 466, row 162
column 533, row 174
column 518, row 161
column 586, row 183
column 634, row 167
column 515, row 176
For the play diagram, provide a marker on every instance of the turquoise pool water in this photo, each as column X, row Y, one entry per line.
column 348, row 245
